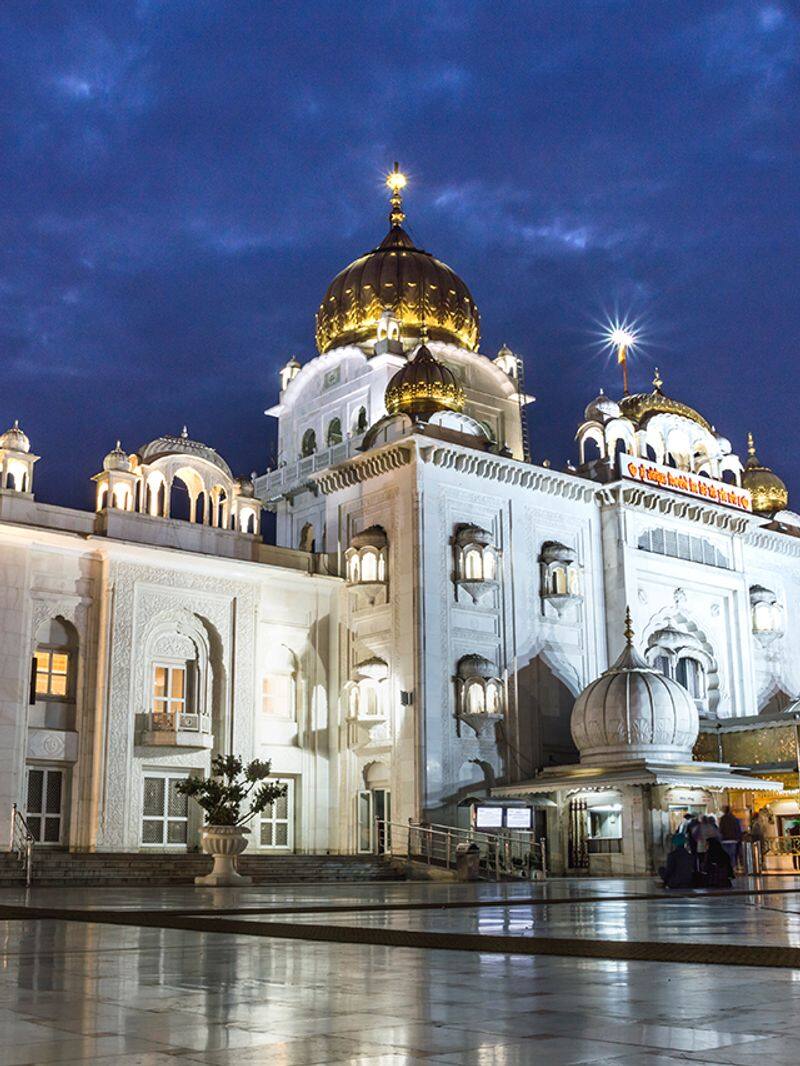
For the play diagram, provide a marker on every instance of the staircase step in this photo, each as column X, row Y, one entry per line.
column 169, row 868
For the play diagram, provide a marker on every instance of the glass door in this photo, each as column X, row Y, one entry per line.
column 374, row 804
column 365, row 821
column 382, row 806
column 44, row 805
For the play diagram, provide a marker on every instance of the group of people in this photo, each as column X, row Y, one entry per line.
column 704, row 854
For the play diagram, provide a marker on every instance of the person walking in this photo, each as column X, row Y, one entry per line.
column 757, row 840
column 731, row 832
column 794, row 832
column 719, row 868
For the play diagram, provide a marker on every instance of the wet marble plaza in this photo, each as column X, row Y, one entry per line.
column 77, row 988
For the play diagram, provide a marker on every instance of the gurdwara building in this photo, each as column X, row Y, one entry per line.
column 433, row 606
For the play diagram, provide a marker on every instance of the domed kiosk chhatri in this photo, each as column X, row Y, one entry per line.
column 615, row 811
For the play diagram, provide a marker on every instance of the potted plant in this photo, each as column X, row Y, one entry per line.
column 230, row 797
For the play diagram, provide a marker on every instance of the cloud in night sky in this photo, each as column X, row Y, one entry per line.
column 180, row 181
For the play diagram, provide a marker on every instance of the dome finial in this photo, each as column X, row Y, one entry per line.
column 751, row 445
column 184, row 433
column 396, row 181
column 628, row 631
column 658, row 381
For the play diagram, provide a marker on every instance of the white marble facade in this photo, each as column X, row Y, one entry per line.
column 434, row 604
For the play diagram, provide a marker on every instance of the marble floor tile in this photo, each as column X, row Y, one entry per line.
column 83, row 992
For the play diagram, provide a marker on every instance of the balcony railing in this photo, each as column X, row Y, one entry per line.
column 286, row 477
column 179, row 728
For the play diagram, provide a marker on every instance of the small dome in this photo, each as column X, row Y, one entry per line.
column 769, row 492
column 601, row 409
column 117, row 459
column 473, row 535
column 423, row 386
column 634, row 712
column 458, row 422
column 639, row 407
column 182, row 445
column 14, row 440
column 723, row 443
column 476, row 666
column 246, row 486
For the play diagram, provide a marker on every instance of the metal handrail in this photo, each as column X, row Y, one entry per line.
column 501, row 855
column 22, row 842
column 784, row 845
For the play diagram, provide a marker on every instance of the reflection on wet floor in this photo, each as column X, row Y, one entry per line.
column 75, row 992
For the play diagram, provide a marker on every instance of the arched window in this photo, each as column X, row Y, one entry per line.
column 369, row 566
column 309, row 443
column 493, row 697
column 366, row 558
column 362, row 422
column 691, row 674
column 54, row 662
column 354, row 568
column 662, row 664
column 560, row 576
column 473, row 565
column 334, row 434
column 476, row 698
column 307, row 543
column 489, row 565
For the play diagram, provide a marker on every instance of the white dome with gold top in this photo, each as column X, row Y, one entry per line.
column 633, row 711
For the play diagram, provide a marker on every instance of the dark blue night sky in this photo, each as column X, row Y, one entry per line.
column 180, row 181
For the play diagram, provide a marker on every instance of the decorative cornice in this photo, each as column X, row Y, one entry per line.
column 506, row 471
column 662, row 503
column 353, row 471
column 774, row 541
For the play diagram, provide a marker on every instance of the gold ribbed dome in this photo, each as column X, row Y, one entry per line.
column 769, row 492
column 418, row 288
column 423, row 386
column 641, row 405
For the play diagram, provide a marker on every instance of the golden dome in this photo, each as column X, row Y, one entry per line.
column 418, row 288
column 769, row 492
column 641, row 405
column 423, row 386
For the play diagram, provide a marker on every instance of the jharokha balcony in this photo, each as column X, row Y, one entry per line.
column 179, row 729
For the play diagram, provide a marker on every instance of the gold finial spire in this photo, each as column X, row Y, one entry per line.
column 658, row 381
column 628, row 631
column 396, row 181
column 751, row 446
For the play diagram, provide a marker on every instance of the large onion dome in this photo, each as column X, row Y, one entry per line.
column 769, row 492
column 634, row 712
column 14, row 440
column 423, row 386
column 417, row 287
column 641, row 405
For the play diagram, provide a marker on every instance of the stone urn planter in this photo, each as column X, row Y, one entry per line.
column 233, row 794
column 223, row 843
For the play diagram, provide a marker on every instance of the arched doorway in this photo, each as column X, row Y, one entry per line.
column 374, row 810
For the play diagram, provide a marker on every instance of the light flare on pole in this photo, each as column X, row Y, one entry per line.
column 622, row 337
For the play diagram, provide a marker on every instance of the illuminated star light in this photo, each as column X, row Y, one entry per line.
column 396, row 179
column 621, row 336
